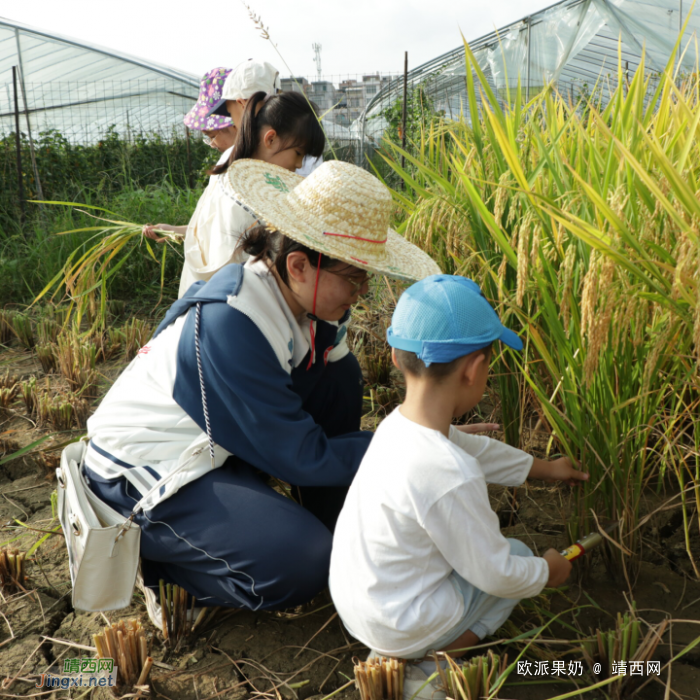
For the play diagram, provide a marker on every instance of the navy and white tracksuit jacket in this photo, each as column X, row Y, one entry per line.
column 220, row 531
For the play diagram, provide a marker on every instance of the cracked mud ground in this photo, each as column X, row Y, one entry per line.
column 305, row 653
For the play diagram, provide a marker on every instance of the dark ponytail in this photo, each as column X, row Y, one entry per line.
column 289, row 113
column 262, row 244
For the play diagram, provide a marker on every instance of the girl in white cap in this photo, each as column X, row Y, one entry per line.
column 248, row 378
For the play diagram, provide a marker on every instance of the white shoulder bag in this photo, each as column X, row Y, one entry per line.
column 103, row 547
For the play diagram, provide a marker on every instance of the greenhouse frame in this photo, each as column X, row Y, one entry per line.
column 574, row 45
column 53, row 82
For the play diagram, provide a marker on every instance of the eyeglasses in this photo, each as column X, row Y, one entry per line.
column 356, row 285
column 209, row 139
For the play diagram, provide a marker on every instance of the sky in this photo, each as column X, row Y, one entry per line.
column 361, row 36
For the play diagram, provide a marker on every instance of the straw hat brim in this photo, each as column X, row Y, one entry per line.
column 248, row 182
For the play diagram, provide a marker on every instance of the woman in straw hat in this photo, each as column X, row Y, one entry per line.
column 249, row 377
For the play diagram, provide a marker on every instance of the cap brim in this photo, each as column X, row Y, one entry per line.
column 219, row 109
column 511, row 339
column 262, row 189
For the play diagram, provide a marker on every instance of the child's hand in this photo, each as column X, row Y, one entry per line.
column 557, row 470
column 559, row 568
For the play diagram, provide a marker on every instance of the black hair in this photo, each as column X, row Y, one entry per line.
column 290, row 114
column 410, row 363
column 262, row 244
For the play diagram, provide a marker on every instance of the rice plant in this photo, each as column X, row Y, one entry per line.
column 136, row 334
column 23, row 329
column 624, row 651
column 47, row 330
column 581, row 226
column 112, row 343
column 76, row 360
column 480, row 676
column 47, row 354
column 27, row 390
column 5, row 326
column 8, row 395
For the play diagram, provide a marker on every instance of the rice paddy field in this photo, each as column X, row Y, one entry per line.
column 581, row 222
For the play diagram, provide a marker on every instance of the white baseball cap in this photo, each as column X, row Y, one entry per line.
column 245, row 80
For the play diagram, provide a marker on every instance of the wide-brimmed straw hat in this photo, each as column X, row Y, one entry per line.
column 339, row 210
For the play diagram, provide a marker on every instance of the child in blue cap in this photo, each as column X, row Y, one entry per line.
column 419, row 562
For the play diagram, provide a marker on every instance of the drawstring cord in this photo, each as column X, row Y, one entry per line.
column 312, row 317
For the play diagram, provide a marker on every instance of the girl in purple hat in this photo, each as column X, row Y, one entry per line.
column 219, row 133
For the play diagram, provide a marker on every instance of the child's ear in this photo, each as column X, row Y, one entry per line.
column 269, row 138
column 394, row 361
column 473, row 365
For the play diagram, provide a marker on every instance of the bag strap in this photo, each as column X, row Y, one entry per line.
column 139, row 506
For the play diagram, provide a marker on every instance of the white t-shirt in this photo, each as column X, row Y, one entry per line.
column 213, row 233
column 418, row 510
column 216, row 227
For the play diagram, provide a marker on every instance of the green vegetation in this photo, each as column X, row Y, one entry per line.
column 143, row 179
column 581, row 224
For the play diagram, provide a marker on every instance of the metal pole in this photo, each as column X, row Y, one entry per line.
column 403, row 116
column 680, row 16
column 39, row 190
column 527, row 78
column 20, row 184
column 189, row 159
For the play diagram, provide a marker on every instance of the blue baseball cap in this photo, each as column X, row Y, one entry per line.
column 444, row 317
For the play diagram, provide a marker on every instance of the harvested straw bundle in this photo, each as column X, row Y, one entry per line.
column 380, row 678
column 125, row 643
column 12, row 576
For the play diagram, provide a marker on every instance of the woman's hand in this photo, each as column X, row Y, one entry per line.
column 560, row 469
column 477, row 427
column 151, row 231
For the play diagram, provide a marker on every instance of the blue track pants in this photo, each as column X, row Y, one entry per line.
column 231, row 540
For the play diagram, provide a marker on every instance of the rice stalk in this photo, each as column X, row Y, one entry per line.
column 88, row 269
column 23, row 329
column 625, row 643
column 6, row 332
column 136, row 333
column 126, row 645
column 182, row 622
column 28, row 393
column 76, row 360
column 47, row 354
column 7, row 395
column 480, row 676
column 47, row 331
column 380, row 678
column 13, row 578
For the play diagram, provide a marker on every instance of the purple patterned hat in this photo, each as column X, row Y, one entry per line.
column 209, row 94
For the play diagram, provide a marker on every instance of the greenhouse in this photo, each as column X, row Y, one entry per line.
column 574, row 45
column 52, row 82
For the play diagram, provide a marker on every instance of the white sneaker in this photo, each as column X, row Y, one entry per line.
column 416, row 685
